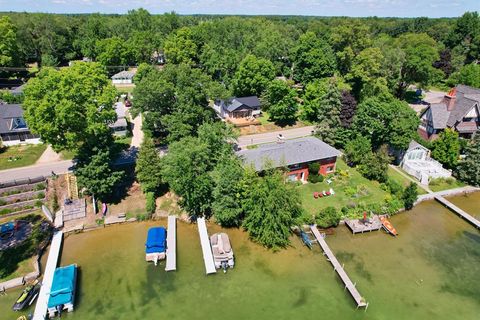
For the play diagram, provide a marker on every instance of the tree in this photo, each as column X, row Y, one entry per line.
column 356, row 150
column 374, row 166
column 95, row 174
column 329, row 113
column 114, row 52
column 148, row 167
column 180, row 47
column 468, row 169
column 71, row 107
column 466, row 35
column 386, row 121
column 272, row 205
column 410, row 195
column 186, row 168
column 327, row 217
column 446, row 149
column 348, row 39
column 349, row 108
column 468, row 75
column 227, row 207
column 420, row 54
column 280, row 102
column 253, row 76
column 8, row 42
column 366, row 71
column 313, row 59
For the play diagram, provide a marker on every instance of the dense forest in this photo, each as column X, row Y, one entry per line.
column 360, row 50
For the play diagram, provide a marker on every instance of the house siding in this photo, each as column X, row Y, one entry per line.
column 327, row 166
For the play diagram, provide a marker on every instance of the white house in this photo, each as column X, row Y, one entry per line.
column 243, row 107
column 123, row 77
column 417, row 162
column 13, row 128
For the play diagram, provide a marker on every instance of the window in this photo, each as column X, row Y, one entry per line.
column 330, row 169
column 18, row 124
column 292, row 177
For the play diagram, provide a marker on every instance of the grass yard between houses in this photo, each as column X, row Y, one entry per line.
column 20, row 156
column 400, row 179
column 441, row 184
column 350, row 188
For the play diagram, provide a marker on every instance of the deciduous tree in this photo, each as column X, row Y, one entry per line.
column 272, row 205
column 70, row 107
column 253, row 76
column 280, row 102
column 468, row 169
column 446, row 148
column 148, row 167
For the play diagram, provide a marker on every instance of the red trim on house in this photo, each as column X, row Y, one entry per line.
column 327, row 166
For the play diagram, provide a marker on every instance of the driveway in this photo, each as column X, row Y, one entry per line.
column 49, row 156
column 137, row 133
column 244, row 141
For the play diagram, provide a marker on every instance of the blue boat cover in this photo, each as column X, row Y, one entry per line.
column 156, row 240
column 63, row 286
column 7, row 227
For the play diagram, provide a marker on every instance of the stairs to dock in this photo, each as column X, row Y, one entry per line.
column 72, row 186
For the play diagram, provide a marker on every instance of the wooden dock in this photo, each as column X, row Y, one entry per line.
column 359, row 226
column 339, row 269
column 171, row 264
column 41, row 307
column 458, row 211
column 206, row 248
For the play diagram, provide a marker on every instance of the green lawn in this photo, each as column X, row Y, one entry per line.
column 445, row 184
column 349, row 186
column 397, row 177
column 20, row 156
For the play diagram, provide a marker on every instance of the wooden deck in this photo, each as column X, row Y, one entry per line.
column 358, row 226
column 171, row 264
column 339, row 269
column 206, row 248
column 458, row 211
column 52, row 261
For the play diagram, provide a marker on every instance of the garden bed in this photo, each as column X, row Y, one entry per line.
column 7, row 191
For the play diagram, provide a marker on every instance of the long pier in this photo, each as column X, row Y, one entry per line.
column 171, row 264
column 206, row 248
column 458, row 211
column 339, row 269
column 52, row 261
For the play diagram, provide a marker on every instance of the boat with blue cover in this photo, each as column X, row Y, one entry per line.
column 155, row 247
column 62, row 294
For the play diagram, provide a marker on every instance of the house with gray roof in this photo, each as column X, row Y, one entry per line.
column 120, row 127
column 459, row 110
column 295, row 155
column 123, row 77
column 242, row 107
column 13, row 128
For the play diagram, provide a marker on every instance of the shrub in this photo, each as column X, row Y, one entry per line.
column 38, row 203
column 40, row 186
column 410, row 195
column 2, row 202
column 5, row 211
column 151, row 205
column 314, row 168
column 393, row 187
column 55, row 205
column 328, row 217
column 40, row 195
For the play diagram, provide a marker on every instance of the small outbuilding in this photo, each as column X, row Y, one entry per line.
column 123, row 77
column 120, row 127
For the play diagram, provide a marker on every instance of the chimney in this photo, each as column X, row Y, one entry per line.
column 450, row 98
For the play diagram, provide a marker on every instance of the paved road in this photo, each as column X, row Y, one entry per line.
column 44, row 169
column 267, row 137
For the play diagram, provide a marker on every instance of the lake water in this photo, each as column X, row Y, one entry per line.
column 430, row 271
